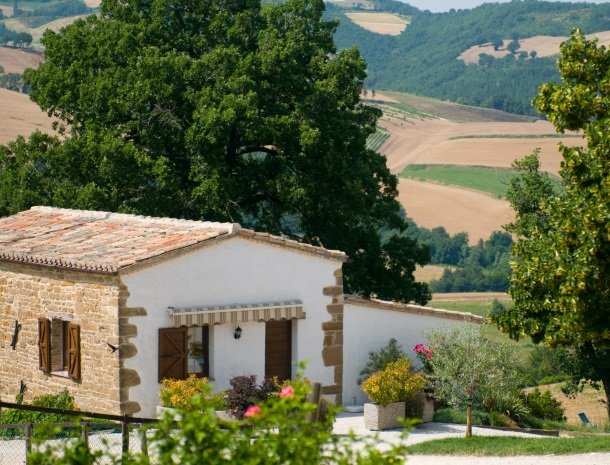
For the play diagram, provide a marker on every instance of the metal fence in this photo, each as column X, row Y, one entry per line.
column 115, row 436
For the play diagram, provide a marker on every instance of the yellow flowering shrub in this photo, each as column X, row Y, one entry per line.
column 178, row 393
column 395, row 383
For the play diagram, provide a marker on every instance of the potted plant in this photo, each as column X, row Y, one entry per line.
column 388, row 390
column 179, row 393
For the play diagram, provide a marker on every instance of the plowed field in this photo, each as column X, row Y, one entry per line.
column 20, row 116
column 481, row 141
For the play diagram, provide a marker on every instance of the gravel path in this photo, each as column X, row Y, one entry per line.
column 428, row 431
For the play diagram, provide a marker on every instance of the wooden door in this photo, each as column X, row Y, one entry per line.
column 173, row 351
column 278, row 349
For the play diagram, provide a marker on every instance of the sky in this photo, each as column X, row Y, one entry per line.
column 445, row 5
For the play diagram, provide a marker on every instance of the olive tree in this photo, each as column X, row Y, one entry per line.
column 466, row 368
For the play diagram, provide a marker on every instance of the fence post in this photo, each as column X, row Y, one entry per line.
column 84, row 431
column 28, row 442
column 143, row 441
column 125, row 436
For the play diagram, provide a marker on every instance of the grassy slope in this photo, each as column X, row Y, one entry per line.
column 493, row 181
column 454, row 111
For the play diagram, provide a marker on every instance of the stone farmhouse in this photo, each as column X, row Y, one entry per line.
column 106, row 305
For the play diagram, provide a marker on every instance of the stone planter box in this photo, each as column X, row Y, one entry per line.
column 161, row 411
column 378, row 417
column 428, row 407
column 421, row 407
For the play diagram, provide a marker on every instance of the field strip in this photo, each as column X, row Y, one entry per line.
column 431, row 142
column 544, row 46
column 454, row 208
column 469, row 296
column 380, row 23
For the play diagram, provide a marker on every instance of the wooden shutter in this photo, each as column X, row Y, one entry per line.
column 173, row 350
column 73, row 351
column 44, row 344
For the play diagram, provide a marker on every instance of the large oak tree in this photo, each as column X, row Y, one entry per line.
column 224, row 110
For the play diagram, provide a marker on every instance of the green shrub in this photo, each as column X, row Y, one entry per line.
column 452, row 415
column 500, row 419
column 511, row 404
column 380, row 359
column 277, row 432
column 543, row 405
column 63, row 400
column 395, row 383
column 179, row 393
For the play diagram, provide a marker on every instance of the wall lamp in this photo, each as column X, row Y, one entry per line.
column 237, row 333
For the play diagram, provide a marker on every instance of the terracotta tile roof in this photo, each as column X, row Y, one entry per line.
column 107, row 242
column 414, row 309
column 96, row 241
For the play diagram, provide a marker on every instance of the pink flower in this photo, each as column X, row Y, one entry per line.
column 287, row 392
column 428, row 355
column 252, row 411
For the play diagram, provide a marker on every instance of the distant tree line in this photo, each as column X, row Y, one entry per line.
column 481, row 267
column 54, row 10
column 16, row 39
column 424, row 59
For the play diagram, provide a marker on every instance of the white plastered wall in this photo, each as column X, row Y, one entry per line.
column 234, row 270
column 368, row 329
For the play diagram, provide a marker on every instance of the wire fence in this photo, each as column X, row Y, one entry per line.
column 114, row 436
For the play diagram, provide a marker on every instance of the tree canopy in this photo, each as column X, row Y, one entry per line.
column 560, row 278
column 217, row 110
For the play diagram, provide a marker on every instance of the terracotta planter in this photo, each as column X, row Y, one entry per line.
column 378, row 417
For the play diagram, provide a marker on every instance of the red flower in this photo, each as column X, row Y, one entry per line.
column 287, row 392
column 252, row 411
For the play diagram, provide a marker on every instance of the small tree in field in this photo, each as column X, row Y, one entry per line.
column 466, row 367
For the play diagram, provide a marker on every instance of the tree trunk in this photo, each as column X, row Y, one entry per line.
column 468, row 420
column 606, row 384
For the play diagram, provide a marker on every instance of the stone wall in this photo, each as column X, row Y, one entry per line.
column 332, row 352
column 29, row 292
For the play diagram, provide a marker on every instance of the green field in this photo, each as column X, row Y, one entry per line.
column 493, row 181
column 522, row 348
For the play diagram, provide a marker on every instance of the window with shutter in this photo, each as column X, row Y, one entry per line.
column 73, row 351
column 44, row 344
column 59, row 347
column 173, row 351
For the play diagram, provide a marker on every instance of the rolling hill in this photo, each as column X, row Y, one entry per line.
column 437, row 54
column 462, row 136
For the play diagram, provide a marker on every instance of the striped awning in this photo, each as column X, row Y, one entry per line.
column 236, row 313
